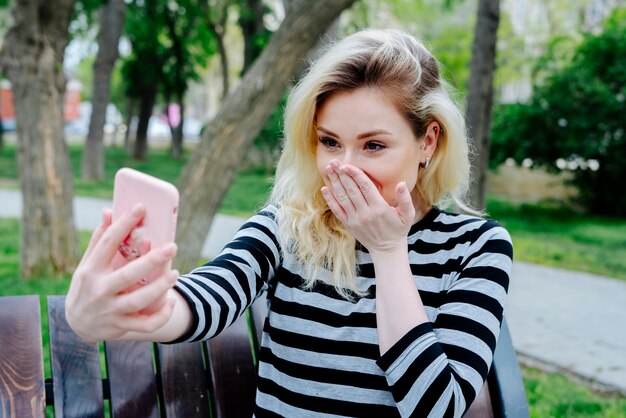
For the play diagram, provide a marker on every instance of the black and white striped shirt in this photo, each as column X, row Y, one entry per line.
column 319, row 353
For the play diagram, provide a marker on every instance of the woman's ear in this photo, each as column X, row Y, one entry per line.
column 431, row 137
column 429, row 143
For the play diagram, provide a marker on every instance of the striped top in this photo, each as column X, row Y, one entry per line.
column 319, row 352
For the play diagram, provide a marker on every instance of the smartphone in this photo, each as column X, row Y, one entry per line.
column 158, row 226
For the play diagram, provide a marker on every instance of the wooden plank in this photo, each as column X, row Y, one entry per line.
column 132, row 379
column 22, row 388
column 184, row 383
column 233, row 371
column 76, row 373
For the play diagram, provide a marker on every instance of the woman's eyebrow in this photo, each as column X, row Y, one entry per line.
column 360, row 136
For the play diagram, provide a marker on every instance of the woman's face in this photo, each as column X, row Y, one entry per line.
column 363, row 128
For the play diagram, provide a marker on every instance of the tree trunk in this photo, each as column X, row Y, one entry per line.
column 224, row 65
column 480, row 95
column 177, row 132
column 111, row 25
column 214, row 163
column 32, row 60
column 251, row 23
column 130, row 110
column 148, row 98
column 217, row 27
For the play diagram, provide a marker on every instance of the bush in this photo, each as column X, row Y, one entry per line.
column 578, row 114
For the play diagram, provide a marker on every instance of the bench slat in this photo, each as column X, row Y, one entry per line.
column 22, row 389
column 76, row 373
column 132, row 379
column 233, row 371
column 183, row 379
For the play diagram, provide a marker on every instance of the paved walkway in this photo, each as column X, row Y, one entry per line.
column 563, row 320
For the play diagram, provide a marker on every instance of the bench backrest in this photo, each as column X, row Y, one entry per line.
column 215, row 378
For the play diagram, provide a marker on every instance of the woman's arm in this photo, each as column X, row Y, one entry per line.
column 197, row 305
column 383, row 230
column 220, row 291
column 431, row 368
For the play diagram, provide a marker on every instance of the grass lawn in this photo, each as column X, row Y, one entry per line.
column 553, row 395
column 560, row 237
column 247, row 194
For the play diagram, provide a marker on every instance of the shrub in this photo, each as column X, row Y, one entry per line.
column 578, row 114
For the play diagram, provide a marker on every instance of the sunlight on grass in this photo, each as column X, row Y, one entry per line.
column 553, row 395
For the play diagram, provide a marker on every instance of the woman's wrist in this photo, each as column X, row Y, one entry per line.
column 393, row 250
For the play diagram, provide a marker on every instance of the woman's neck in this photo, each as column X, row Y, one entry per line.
column 421, row 208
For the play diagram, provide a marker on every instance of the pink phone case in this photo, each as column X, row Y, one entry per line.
column 160, row 199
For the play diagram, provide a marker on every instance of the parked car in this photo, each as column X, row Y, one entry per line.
column 8, row 125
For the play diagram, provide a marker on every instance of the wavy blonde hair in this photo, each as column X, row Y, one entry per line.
column 390, row 60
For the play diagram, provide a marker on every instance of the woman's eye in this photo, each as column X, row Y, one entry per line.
column 374, row 146
column 329, row 142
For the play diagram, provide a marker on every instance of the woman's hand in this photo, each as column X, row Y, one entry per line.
column 99, row 304
column 354, row 199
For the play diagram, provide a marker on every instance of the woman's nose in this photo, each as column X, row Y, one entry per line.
column 348, row 158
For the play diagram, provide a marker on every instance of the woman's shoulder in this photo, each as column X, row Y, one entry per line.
column 269, row 211
column 449, row 221
column 263, row 218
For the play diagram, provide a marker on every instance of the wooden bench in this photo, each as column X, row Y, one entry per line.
column 139, row 379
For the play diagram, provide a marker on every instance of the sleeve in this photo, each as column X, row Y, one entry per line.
column 220, row 291
column 437, row 369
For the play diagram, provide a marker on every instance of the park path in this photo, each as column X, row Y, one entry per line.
column 563, row 320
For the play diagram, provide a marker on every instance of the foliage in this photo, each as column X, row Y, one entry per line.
column 446, row 28
column 266, row 146
column 145, row 29
column 577, row 114
column 84, row 74
column 187, row 45
column 84, row 16
column 554, row 395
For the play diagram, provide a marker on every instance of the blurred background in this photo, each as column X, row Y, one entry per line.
column 192, row 91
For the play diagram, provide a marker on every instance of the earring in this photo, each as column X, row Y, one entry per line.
column 426, row 163
column 422, row 147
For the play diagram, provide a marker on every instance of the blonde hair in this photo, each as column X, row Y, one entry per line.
column 397, row 63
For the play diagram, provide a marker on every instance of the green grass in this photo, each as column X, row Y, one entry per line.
column 553, row 395
column 246, row 195
column 561, row 237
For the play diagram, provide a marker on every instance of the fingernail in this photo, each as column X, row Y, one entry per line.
column 169, row 249
column 137, row 210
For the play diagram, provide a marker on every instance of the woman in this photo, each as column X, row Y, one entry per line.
column 379, row 301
